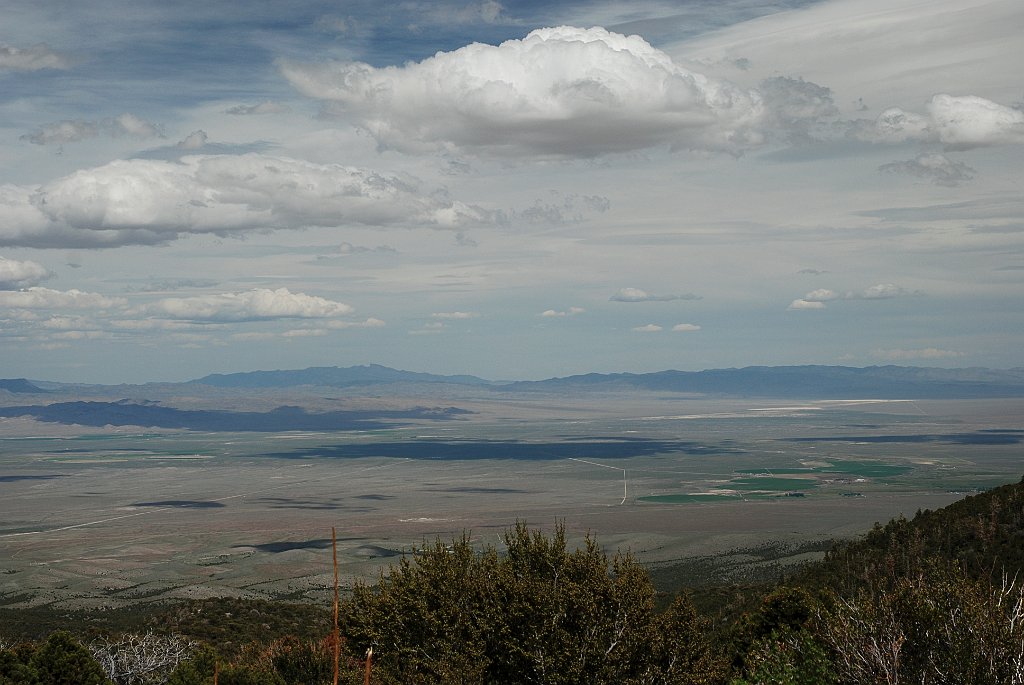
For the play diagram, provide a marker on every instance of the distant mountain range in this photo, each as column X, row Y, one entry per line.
column 881, row 382
column 19, row 385
column 808, row 382
column 331, row 376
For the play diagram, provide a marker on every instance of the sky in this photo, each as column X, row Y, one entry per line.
column 515, row 190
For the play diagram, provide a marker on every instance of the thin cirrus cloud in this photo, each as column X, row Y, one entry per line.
column 937, row 168
column 638, row 295
column 265, row 107
column 45, row 298
column 16, row 274
column 554, row 313
column 148, row 202
column 252, row 305
column 33, row 58
column 678, row 328
column 455, row 315
column 558, row 92
column 921, row 353
column 76, row 130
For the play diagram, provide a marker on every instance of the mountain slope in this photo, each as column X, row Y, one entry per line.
column 874, row 382
column 19, row 385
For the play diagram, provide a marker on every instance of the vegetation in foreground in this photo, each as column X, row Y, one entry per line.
column 931, row 600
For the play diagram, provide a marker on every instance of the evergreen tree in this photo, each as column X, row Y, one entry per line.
column 538, row 613
column 61, row 660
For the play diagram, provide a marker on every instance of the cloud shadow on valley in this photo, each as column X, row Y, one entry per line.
column 282, row 419
column 470, row 450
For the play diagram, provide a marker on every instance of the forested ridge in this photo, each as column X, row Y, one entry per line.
column 932, row 599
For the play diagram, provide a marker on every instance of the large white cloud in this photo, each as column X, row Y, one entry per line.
column 252, row 305
column 561, row 91
column 15, row 274
column 144, row 201
column 959, row 122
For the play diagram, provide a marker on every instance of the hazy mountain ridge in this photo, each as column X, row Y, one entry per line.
column 874, row 382
column 19, row 385
column 807, row 382
column 332, row 376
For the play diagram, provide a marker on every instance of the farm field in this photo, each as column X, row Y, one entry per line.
column 110, row 515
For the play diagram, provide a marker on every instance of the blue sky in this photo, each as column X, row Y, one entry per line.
column 513, row 190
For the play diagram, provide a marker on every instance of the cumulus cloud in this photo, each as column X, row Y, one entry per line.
column 15, row 274
column 33, row 58
column 638, row 295
column 429, row 328
column 882, row 291
column 252, row 305
column 265, row 107
column 816, row 299
column 172, row 284
column 923, row 353
column 154, row 325
column 304, row 333
column 148, row 201
column 368, row 323
column 937, row 168
column 649, row 328
column 347, row 248
column 805, row 304
column 570, row 209
column 45, row 298
column 822, row 295
column 126, row 125
column 455, row 315
column 960, row 122
column 563, row 92
column 571, row 311
column 194, row 141
column 795, row 107
column 685, row 328
column 68, row 323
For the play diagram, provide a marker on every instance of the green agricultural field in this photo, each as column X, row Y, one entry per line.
column 685, row 499
column 771, row 483
column 866, row 469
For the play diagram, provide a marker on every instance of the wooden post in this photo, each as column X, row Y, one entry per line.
column 369, row 666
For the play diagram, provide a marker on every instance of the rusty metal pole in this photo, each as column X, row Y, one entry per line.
column 337, row 634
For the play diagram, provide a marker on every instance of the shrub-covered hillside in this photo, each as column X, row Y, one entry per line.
column 982, row 534
column 931, row 600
